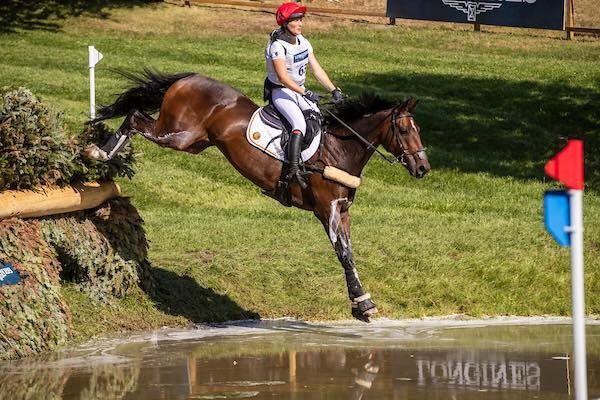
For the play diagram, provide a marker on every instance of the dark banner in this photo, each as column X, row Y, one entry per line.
column 542, row 14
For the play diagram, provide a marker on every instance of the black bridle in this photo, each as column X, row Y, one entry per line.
column 397, row 131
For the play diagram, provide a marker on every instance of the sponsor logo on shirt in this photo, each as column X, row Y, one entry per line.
column 301, row 56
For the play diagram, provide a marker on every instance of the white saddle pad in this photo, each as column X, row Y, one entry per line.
column 260, row 135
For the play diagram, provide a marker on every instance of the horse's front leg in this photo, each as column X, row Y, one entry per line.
column 338, row 229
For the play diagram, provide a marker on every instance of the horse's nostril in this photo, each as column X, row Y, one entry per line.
column 422, row 171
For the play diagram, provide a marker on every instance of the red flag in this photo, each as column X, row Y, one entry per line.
column 567, row 165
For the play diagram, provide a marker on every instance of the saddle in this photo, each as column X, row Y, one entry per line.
column 268, row 133
column 272, row 117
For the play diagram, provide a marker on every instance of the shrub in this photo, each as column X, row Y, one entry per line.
column 102, row 251
column 36, row 150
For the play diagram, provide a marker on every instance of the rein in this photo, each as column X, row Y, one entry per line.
column 396, row 131
column 395, row 160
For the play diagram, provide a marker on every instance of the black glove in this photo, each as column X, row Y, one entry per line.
column 312, row 96
column 338, row 96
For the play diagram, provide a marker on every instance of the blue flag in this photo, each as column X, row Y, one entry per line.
column 557, row 217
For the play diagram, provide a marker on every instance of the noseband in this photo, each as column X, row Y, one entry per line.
column 397, row 132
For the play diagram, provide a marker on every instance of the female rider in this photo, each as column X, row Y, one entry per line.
column 287, row 54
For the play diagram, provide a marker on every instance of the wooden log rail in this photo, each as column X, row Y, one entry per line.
column 271, row 6
column 575, row 29
column 55, row 200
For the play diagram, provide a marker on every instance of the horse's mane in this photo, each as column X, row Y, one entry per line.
column 354, row 108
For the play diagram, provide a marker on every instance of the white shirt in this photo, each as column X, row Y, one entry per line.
column 295, row 55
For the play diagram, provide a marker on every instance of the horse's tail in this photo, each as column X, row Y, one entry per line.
column 146, row 93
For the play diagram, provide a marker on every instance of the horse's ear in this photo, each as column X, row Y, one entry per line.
column 412, row 104
column 404, row 105
column 409, row 104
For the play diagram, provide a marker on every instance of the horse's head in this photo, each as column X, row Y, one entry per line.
column 404, row 139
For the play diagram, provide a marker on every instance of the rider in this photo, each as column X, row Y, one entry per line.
column 287, row 54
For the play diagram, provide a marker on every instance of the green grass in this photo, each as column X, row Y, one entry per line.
column 468, row 238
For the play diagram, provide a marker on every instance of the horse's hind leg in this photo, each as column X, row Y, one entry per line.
column 337, row 225
column 140, row 122
column 192, row 141
column 135, row 121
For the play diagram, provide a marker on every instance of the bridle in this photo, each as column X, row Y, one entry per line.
column 397, row 132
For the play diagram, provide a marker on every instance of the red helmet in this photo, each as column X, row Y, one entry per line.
column 288, row 11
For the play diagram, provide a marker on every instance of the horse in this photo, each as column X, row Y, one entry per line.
column 197, row 112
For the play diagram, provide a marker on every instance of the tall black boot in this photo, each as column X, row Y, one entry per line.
column 294, row 157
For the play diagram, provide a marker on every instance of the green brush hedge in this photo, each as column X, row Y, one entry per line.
column 36, row 150
column 101, row 251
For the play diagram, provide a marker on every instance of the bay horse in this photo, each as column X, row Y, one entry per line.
column 197, row 112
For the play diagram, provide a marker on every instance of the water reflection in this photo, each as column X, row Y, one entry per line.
column 106, row 381
column 305, row 365
column 514, row 375
column 328, row 373
column 365, row 376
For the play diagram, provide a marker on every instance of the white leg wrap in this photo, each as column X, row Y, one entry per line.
column 334, row 220
column 118, row 146
column 364, row 297
column 96, row 153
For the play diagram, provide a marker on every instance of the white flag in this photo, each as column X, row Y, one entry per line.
column 94, row 56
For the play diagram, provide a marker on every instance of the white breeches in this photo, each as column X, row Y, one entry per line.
column 291, row 104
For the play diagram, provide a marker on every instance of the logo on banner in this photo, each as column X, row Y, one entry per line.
column 472, row 8
column 8, row 274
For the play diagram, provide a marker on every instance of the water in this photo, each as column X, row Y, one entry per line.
column 508, row 359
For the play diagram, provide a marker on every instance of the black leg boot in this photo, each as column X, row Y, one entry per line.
column 114, row 144
column 293, row 158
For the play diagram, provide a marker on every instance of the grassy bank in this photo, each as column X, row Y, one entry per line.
column 467, row 239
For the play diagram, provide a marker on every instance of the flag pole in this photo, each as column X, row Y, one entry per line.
column 578, row 293
column 93, row 57
column 568, row 168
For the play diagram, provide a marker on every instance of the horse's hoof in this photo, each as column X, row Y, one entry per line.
column 364, row 308
column 360, row 316
column 364, row 316
column 95, row 153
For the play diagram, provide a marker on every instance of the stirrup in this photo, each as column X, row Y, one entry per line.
column 299, row 177
column 281, row 193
